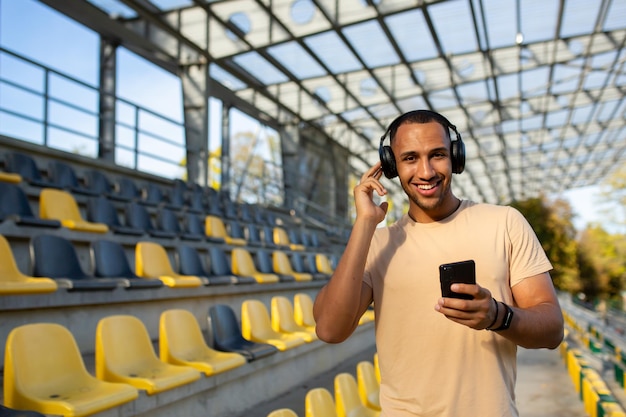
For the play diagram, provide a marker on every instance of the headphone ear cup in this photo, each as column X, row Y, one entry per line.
column 458, row 156
column 388, row 162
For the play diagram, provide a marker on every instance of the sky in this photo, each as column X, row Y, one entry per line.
column 31, row 29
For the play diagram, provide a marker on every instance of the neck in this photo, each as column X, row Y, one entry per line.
column 422, row 215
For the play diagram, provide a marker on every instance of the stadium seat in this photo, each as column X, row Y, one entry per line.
column 300, row 265
column 194, row 225
column 368, row 385
column 10, row 412
column 265, row 264
column 376, row 367
column 151, row 261
column 14, row 205
column 181, row 343
column 246, row 213
column 220, row 266
column 230, row 209
column 190, row 263
column 13, row 281
column 225, row 335
column 153, row 195
column 319, row 402
column 243, row 265
column 110, row 261
column 101, row 210
column 138, row 217
column 282, row 265
column 283, row 412
column 26, row 167
column 56, row 382
column 177, row 195
column 60, row 205
column 124, row 353
column 55, row 257
column 99, row 183
column 10, row 177
column 347, row 400
column 128, row 190
column 257, row 327
column 323, row 264
column 253, row 235
column 281, row 238
column 303, row 310
column 235, row 230
column 64, row 176
column 196, row 199
column 167, row 220
column 283, row 319
column 214, row 227
column 267, row 236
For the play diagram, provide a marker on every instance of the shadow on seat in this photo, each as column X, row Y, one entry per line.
column 303, row 310
column 14, row 205
column 369, row 388
column 10, row 412
column 220, row 266
column 243, row 265
column 257, row 327
column 12, row 281
column 61, row 205
column 181, row 343
column 347, row 400
column 101, row 210
column 151, row 261
column 56, row 382
column 225, row 335
column 124, row 353
column 190, row 263
column 319, row 402
column 110, row 261
column 283, row 320
column 282, row 265
column 55, row 257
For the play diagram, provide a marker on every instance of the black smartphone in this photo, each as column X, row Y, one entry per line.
column 463, row 272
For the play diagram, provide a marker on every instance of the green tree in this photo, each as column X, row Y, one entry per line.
column 613, row 190
column 552, row 222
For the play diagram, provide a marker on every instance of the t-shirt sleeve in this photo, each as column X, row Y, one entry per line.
column 527, row 255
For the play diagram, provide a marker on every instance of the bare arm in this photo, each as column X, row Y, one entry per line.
column 342, row 301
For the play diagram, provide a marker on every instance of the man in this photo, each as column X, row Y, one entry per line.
column 436, row 356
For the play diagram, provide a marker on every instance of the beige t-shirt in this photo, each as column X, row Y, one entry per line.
column 431, row 366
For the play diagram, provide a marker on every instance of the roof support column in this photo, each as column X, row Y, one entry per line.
column 106, row 124
column 195, row 83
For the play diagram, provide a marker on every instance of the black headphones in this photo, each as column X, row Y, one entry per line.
column 387, row 158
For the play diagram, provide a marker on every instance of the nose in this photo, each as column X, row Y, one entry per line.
column 425, row 170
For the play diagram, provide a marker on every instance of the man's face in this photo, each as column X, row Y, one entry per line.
column 422, row 152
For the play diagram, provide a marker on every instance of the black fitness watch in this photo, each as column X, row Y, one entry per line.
column 508, row 318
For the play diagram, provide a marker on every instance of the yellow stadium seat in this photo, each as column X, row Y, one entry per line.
column 10, row 177
column 323, row 264
column 283, row 412
column 151, row 261
column 303, row 310
column 319, row 402
column 347, row 400
column 367, row 316
column 12, row 281
column 281, row 238
column 243, row 265
column 377, row 367
column 44, row 371
column 124, row 353
column 60, row 205
column 282, row 265
column 181, row 343
column 368, row 385
column 214, row 227
column 257, row 327
column 283, row 320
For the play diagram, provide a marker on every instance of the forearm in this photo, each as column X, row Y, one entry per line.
column 339, row 304
column 539, row 326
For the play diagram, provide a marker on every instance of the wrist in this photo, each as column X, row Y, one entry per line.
column 495, row 315
column 507, row 319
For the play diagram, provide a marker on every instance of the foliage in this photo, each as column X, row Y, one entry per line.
column 614, row 191
column 552, row 222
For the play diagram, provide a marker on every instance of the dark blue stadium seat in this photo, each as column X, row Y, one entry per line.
column 301, row 265
column 190, row 263
column 64, row 176
column 138, row 217
column 110, row 261
column 265, row 264
column 101, row 210
column 194, row 224
column 25, row 165
column 220, row 266
column 14, row 205
column 10, row 412
column 167, row 220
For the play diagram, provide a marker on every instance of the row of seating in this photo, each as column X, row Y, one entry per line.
column 353, row 396
column 125, row 361
column 56, row 264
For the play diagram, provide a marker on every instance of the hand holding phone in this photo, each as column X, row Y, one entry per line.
column 463, row 272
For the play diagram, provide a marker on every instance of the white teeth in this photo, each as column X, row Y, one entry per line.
column 426, row 186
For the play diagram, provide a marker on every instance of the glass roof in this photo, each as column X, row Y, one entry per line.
column 535, row 87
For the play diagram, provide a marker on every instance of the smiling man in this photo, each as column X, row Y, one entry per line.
column 440, row 356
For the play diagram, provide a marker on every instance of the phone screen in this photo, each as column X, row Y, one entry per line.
column 463, row 272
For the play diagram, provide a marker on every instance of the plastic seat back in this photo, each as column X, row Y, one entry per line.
column 101, row 210
column 319, row 402
column 138, row 217
column 98, row 183
column 13, row 281
column 127, row 189
column 110, row 261
column 14, row 204
column 282, row 265
column 369, row 387
column 214, row 227
column 61, row 205
column 151, row 261
column 281, row 238
column 181, row 343
column 26, row 167
column 283, row 412
column 303, row 310
column 347, row 400
column 190, row 262
column 57, row 382
column 124, row 353
column 323, row 264
column 243, row 264
column 257, row 327
column 283, row 320
column 64, row 176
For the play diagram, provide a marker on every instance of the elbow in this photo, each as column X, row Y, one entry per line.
column 329, row 336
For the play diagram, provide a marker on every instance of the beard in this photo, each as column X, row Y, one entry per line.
column 429, row 204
